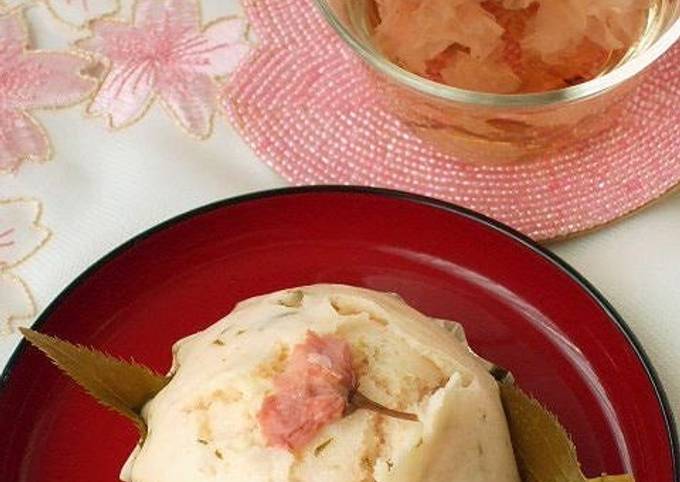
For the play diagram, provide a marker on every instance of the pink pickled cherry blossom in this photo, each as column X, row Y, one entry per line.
column 413, row 32
column 487, row 75
column 516, row 4
column 32, row 80
column 164, row 53
column 311, row 392
column 558, row 26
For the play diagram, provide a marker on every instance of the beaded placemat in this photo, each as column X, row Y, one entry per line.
column 304, row 104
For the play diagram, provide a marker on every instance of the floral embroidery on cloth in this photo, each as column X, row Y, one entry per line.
column 32, row 79
column 78, row 12
column 164, row 53
column 21, row 235
column 75, row 13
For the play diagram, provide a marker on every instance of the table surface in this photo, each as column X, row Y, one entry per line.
column 103, row 187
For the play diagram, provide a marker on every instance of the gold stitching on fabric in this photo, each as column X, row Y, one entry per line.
column 78, row 27
column 8, row 325
column 46, row 233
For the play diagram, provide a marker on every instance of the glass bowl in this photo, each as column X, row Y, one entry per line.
column 489, row 128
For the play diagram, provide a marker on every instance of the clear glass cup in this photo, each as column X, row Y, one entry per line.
column 503, row 128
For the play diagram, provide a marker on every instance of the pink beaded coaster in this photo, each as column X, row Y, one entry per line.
column 305, row 105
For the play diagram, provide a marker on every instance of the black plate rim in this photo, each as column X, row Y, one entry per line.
column 559, row 263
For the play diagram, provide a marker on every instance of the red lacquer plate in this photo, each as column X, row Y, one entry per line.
column 521, row 307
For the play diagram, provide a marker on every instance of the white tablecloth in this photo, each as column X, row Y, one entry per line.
column 103, row 187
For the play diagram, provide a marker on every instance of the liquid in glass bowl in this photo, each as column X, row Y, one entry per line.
column 500, row 81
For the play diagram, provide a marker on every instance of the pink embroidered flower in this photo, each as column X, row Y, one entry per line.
column 165, row 53
column 32, row 80
column 21, row 235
